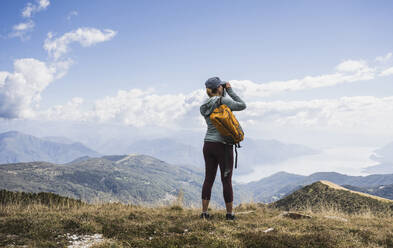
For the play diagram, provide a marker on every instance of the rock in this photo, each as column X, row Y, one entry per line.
column 269, row 230
column 245, row 212
column 336, row 218
column 294, row 215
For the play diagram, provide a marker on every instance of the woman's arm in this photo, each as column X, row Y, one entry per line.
column 236, row 104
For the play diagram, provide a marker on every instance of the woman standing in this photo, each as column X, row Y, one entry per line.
column 215, row 145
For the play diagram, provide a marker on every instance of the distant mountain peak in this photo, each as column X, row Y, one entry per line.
column 136, row 156
column 114, row 158
column 60, row 139
column 280, row 173
column 326, row 173
column 132, row 157
column 12, row 133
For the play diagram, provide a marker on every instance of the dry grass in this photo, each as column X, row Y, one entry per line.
column 38, row 225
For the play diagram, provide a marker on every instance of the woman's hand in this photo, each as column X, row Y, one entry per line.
column 227, row 85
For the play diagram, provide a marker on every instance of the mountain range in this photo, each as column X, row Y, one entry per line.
column 280, row 184
column 20, row 147
column 385, row 191
column 138, row 178
column 132, row 178
column 60, row 165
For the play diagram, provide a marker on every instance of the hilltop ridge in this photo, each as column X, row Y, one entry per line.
column 326, row 193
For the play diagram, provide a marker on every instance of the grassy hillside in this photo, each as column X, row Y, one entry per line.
column 119, row 225
column 325, row 193
column 8, row 198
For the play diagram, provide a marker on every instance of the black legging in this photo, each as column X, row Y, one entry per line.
column 213, row 152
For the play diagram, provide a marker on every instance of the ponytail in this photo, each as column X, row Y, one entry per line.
column 211, row 92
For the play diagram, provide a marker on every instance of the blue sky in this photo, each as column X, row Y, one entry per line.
column 317, row 73
column 175, row 46
column 163, row 51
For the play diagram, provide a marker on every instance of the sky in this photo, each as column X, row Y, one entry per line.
column 317, row 73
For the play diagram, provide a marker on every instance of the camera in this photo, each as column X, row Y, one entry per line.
column 224, row 88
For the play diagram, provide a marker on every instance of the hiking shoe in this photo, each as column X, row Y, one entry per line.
column 230, row 217
column 205, row 216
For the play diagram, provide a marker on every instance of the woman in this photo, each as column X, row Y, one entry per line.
column 215, row 145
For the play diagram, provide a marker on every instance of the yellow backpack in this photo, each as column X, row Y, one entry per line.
column 227, row 125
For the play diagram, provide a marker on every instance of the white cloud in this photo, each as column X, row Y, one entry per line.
column 30, row 8
column 146, row 108
column 3, row 76
column 22, row 29
column 57, row 47
column 352, row 66
column 43, row 4
column 22, row 88
column 71, row 14
column 348, row 71
column 69, row 111
column 383, row 59
column 24, row 26
column 61, row 67
column 365, row 113
column 386, row 72
column 138, row 108
column 20, row 91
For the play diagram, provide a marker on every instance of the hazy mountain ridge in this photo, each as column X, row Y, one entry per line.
column 20, row 147
column 169, row 150
column 385, row 191
column 58, row 139
column 384, row 157
column 271, row 188
column 254, row 152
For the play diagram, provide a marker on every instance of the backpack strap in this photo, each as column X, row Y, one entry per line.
column 237, row 145
column 236, row 156
column 225, row 158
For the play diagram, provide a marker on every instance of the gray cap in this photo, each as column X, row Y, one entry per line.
column 214, row 82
